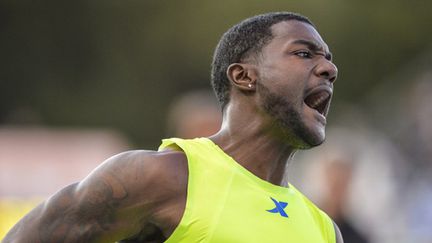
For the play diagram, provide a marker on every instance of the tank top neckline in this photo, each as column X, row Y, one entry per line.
column 257, row 180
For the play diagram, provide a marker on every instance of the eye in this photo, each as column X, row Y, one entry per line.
column 327, row 56
column 304, row 54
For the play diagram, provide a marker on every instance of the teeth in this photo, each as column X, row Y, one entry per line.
column 318, row 101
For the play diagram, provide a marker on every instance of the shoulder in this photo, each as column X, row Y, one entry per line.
column 144, row 162
column 144, row 159
column 140, row 180
column 140, row 170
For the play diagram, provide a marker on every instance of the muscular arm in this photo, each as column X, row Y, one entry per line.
column 114, row 202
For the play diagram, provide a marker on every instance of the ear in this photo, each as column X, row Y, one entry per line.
column 242, row 76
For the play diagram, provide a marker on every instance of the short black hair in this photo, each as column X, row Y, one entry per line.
column 243, row 39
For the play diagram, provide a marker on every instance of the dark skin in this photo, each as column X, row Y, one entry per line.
column 140, row 196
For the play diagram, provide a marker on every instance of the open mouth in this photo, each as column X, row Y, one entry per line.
column 319, row 101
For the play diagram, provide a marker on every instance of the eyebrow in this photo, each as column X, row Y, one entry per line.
column 314, row 47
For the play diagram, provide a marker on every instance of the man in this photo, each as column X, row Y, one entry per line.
column 274, row 78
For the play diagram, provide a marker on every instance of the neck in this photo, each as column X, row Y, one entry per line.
column 250, row 143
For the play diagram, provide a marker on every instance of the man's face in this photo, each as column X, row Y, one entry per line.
column 295, row 82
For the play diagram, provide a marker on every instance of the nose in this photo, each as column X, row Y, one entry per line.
column 326, row 69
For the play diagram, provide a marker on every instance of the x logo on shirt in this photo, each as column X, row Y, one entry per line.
column 279, row 208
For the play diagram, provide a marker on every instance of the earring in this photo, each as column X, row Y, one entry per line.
column 250, row 85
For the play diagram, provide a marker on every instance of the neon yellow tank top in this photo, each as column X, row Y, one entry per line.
column 226, row 203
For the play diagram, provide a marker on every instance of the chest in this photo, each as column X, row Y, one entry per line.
column 241, row 212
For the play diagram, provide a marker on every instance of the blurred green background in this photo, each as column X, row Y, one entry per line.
column 119, row 64
column 97, row 77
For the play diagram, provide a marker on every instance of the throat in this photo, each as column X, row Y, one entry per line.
column 264, row 159
column 273, row 172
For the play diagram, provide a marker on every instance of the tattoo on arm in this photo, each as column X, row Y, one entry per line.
column 84, row 215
